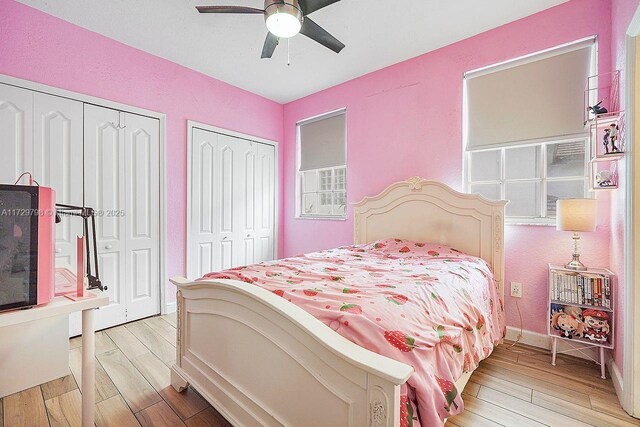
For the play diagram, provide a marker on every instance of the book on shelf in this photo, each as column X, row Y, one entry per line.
column 581, row 288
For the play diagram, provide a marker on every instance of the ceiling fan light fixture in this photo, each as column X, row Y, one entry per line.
column 283, row 18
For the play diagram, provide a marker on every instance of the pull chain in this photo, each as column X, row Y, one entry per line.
column 289, row 51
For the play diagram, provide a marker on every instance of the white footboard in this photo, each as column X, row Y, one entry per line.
column 262, row 361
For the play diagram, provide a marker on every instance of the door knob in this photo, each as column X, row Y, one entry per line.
column 108, row 246
column 58, row 250
column 225, row 238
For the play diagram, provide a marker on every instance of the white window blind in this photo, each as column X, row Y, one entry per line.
column 533, row 98
column 322, row 142
column 322, row 176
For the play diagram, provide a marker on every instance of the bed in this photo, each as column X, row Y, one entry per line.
column 260, row 360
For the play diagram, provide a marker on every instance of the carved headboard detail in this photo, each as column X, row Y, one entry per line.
column 429, row 211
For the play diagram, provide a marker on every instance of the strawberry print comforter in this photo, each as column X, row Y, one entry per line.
column 429, row 306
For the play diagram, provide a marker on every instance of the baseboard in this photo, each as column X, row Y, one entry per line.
column 539, row 340
column 616, row 377
column 171, row 307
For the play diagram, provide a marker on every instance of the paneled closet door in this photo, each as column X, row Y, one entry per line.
column 57, row 163
column 231, row 215
column 265, row 190
column 105, row 191
column 16, row 132
column 142, row 213
column 230, row 153
column 257, row 202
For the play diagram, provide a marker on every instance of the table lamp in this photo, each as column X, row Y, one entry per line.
column 576, row 215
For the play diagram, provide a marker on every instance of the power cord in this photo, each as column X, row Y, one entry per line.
column 519, row 337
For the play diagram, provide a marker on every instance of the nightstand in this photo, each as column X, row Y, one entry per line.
column 581, row 311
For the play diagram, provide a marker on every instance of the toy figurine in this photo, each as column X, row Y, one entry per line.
column 613, row 137
column 605, row 140
column 597, row 109
column 605, row 179
column 574, row 311
column 596, row 324
column 568, row 325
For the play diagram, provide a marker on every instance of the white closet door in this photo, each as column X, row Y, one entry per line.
column 265, row 189
column 215, row 236
column 142, row 178
column 57, row 163
column 247, row 210
column 16, row 130
column 104, row 172
column 228, row 224
column 204, row 195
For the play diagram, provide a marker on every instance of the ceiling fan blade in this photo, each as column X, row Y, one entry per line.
column 310, row 6
column 269, row 46
column 319, row 34
column 229, row 9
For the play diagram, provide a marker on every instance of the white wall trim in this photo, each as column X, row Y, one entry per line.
column 162, row 119
column 616, row 377
column 536, row 339
column 629, row 390
column 193, row 124
column 172, row 307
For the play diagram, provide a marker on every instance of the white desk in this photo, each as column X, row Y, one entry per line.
column 42, row 320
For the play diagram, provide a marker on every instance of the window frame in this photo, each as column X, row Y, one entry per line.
column 299, row 182
column 544, row 179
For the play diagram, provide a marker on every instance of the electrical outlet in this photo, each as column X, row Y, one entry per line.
column 516, row 289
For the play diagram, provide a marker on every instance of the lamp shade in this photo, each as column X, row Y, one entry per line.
column 576, row 214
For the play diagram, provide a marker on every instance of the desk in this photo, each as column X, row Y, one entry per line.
column 43, row 321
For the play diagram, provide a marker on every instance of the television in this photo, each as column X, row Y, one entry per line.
column 27, row 239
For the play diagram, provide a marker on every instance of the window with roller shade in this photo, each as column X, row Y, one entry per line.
column 525, row 139
column 322, row 175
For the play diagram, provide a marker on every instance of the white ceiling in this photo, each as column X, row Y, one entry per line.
column 377, row 34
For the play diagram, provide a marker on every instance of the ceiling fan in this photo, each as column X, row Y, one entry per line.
column 284, row 19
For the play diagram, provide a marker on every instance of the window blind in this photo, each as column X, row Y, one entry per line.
column 323, row 142
column 538, row 97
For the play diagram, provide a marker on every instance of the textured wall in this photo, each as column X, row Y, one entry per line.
column 39, row 47
column 406, row 120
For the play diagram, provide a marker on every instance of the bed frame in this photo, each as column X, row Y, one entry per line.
column 262, row 361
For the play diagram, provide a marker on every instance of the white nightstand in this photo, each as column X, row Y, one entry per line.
column 581, row 311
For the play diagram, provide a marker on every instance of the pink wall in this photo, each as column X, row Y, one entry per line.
column 406, row 120
column 621, row 13
column 41, row 48
column 403, row 120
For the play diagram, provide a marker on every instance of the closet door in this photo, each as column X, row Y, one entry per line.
column 257, row 203
column 104, row 171
column 215, row 241
column 204, row 196
column 265, row 189
column 16, row 132
column 247, row 211
column 230, row 153
column 231, row 216
column 57, row 163
column 142, row 188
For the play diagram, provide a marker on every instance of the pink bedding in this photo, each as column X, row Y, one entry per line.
column 428, row 306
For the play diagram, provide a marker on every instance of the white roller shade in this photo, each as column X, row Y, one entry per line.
column 322, row 142
column 538, row 97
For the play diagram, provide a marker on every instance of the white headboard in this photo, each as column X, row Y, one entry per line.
column 429, row 211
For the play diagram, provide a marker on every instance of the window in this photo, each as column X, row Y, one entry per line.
column 532, row 177
column 524, row 133
column 322, row 175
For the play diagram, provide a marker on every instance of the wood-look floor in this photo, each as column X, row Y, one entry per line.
column 517, row 386
column 132, row 385
column 513, row 387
